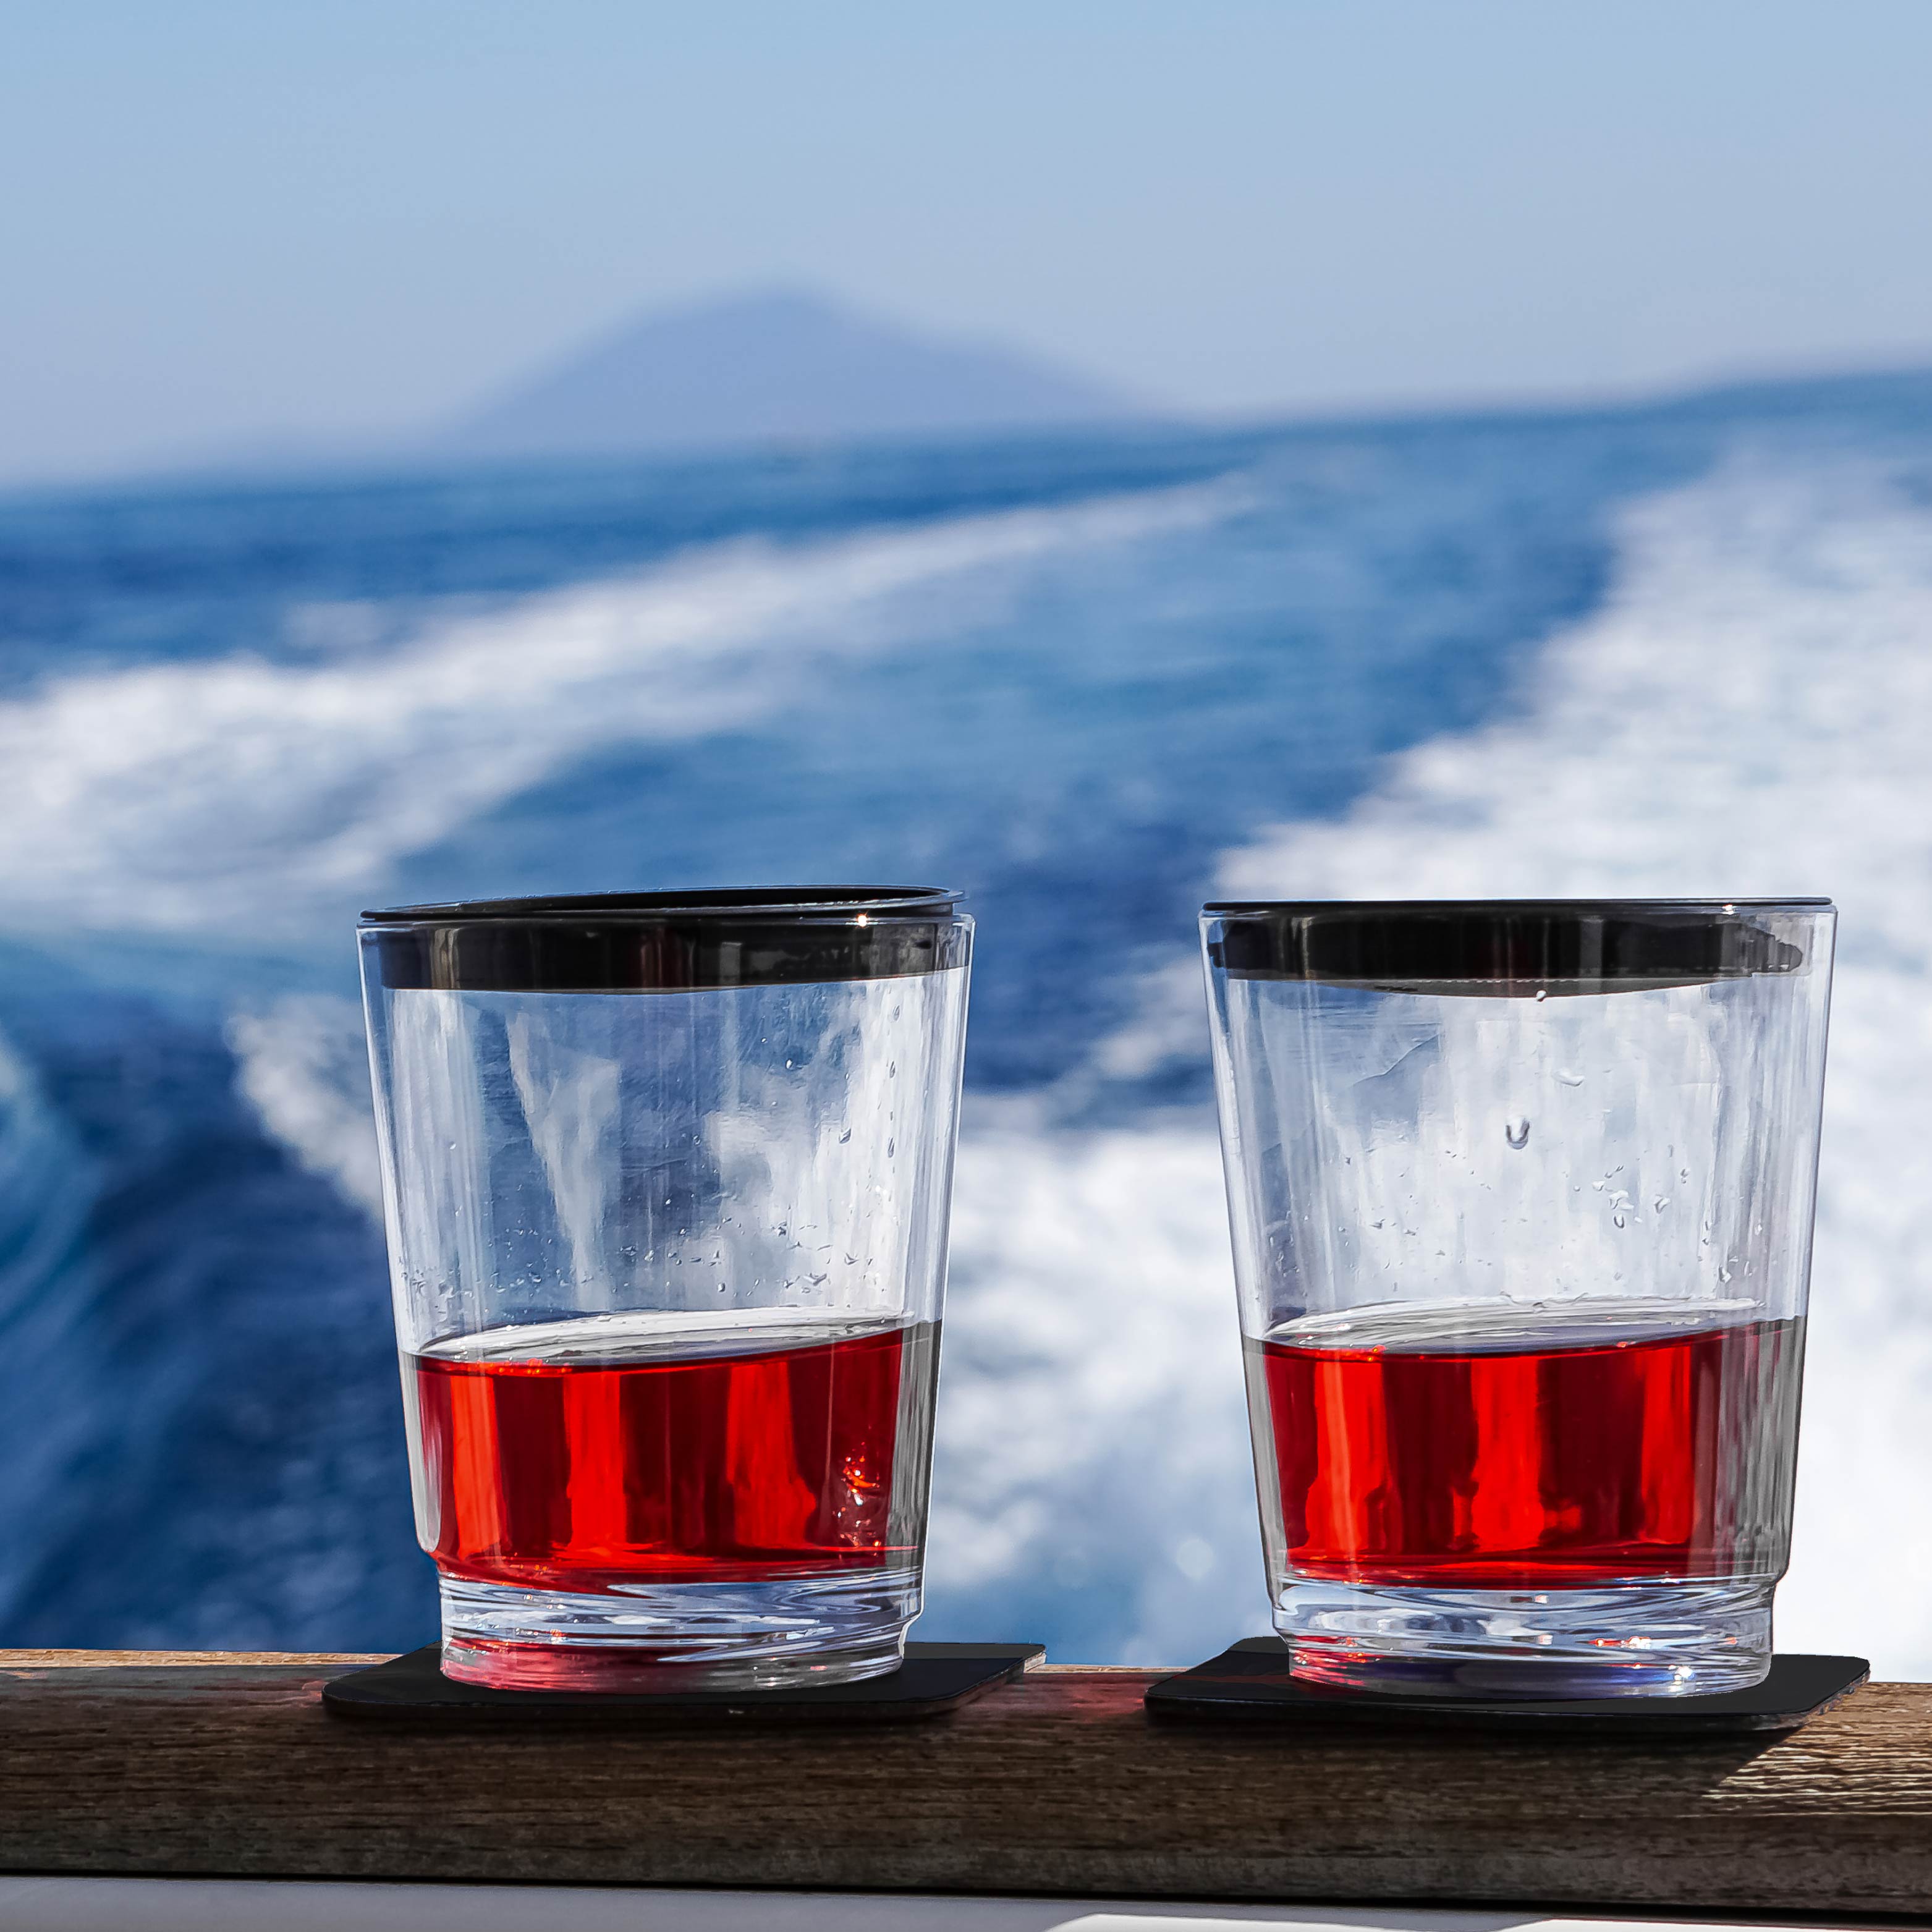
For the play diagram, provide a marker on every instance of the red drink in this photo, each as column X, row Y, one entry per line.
column 1576, row 1446
column 585, row 1456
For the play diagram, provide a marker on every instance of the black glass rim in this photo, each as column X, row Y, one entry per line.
column 1507, row 948
column 1393, row 909
column 762, row 903
column 668, row 942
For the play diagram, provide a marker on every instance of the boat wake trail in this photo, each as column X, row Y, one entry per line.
column 266, row 796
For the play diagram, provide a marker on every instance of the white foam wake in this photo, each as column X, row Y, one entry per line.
column 179, row 796
column 302, row 1063
column 1092, row 1433
column 1748, row 713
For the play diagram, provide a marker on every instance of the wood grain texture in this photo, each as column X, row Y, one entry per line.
column 227, row 1765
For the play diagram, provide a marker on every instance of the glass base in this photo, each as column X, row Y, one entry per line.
column 745, row 1636
column 1637, row 1639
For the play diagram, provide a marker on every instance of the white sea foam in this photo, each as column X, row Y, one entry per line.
column 1092, row 1432
column 175, row 797
column 303, row 1063
column 1747, row 713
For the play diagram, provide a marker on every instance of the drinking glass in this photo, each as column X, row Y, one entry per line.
column 1521, row 1196
column 667, row 1178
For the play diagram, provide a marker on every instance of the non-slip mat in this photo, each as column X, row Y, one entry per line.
column 1250, row 1683
column 934, row 1678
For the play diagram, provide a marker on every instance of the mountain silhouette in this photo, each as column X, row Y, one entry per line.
column 779, row 365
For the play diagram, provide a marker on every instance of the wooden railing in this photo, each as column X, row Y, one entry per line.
column 227, row 1765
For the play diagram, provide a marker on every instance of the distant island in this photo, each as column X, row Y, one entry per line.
column 779, row 366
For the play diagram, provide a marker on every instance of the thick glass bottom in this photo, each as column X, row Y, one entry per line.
column 1641, row 1638
column 771, row 1635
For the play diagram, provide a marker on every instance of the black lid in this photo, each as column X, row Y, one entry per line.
column 1509, row 948
column 668, row 942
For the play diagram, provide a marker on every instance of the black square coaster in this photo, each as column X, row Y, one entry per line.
column 1250, row 1683
column 934, row 1678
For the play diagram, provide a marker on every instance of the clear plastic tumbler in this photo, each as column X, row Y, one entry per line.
column 667, row 1179
column 1521, row 1197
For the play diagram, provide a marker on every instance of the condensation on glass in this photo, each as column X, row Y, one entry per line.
column 1521, row 1196
column 667, row 1180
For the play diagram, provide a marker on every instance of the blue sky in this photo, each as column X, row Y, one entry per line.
column 226, row 221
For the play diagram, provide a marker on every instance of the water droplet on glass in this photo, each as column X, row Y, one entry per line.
column 1568, row 1079
column 1662, row 1201
column 891, row 1148
column 845, row 1136
column 1516, row 1131
column 1542, row 993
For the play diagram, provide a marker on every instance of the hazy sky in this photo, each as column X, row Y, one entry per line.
column 225, row 219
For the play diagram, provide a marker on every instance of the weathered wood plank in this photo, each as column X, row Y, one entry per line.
column 227, row 1765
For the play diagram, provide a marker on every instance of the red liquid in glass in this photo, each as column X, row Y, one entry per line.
column 1604, row 1457
column 673, row 1462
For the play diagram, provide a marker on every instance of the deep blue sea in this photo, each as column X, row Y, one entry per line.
column 1091, row 680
